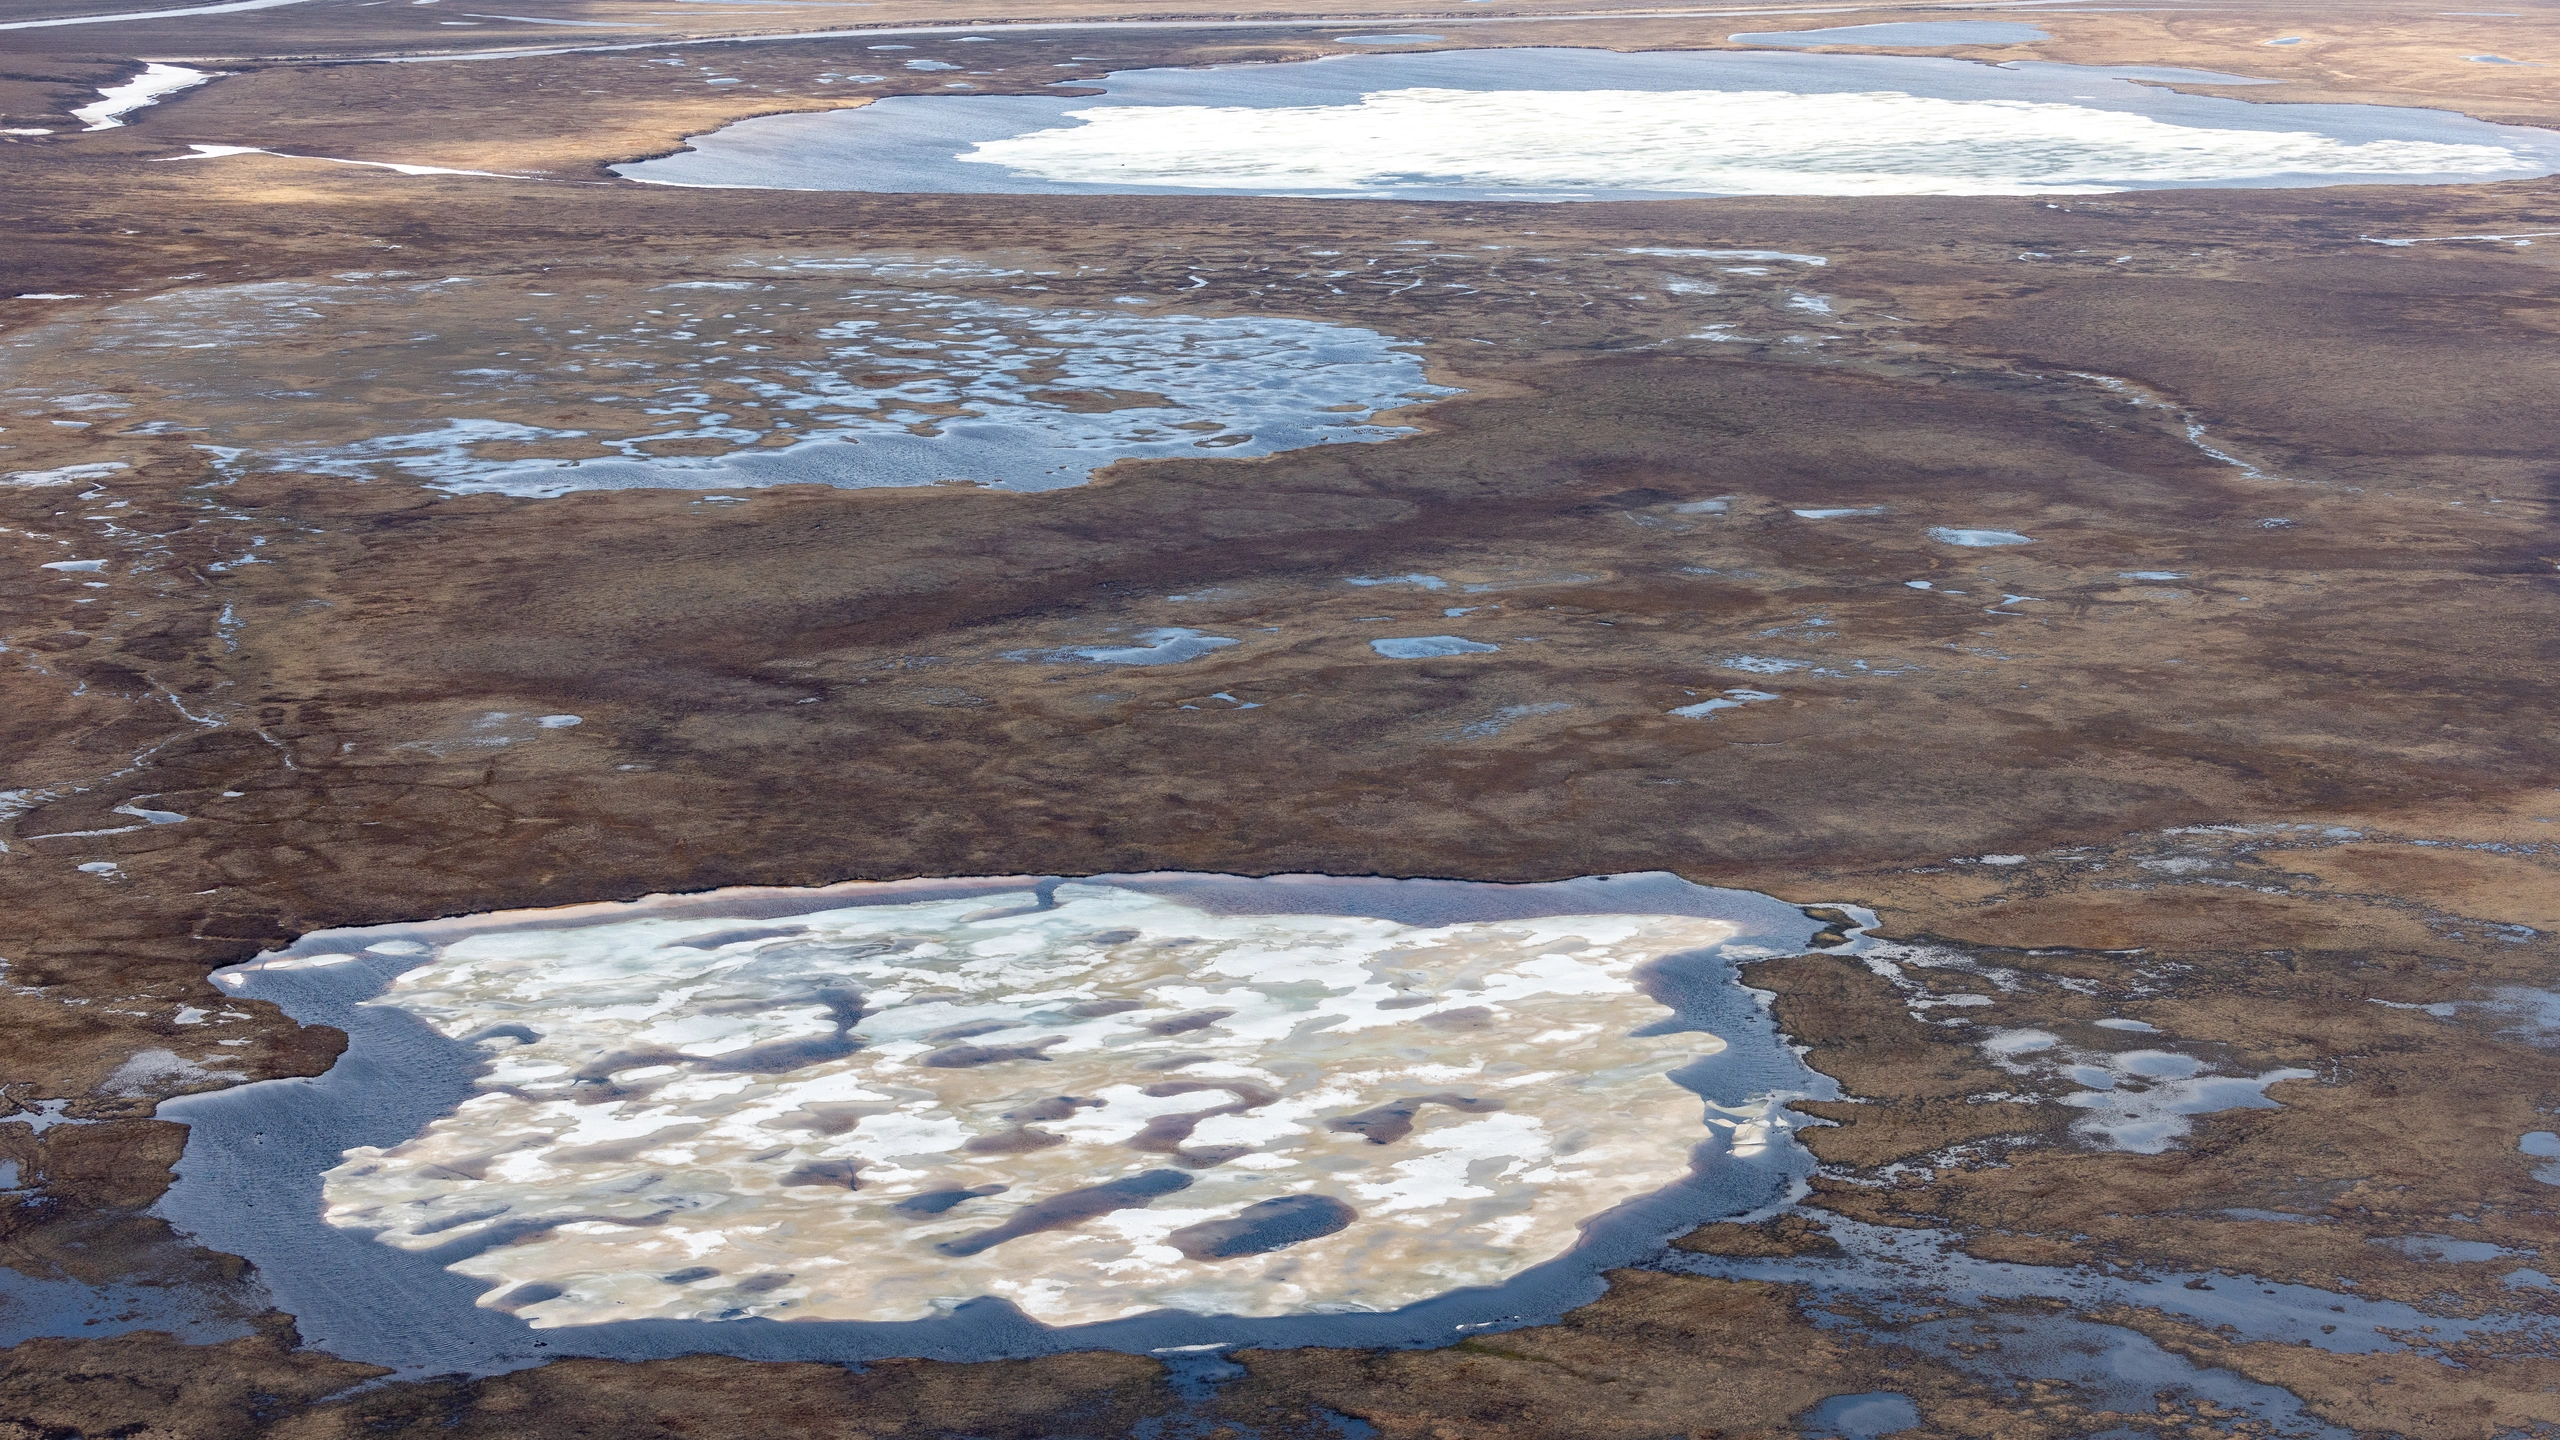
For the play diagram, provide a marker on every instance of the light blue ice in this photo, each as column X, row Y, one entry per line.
column 1226, row 387
column 1167, row 645
column 1430, row 647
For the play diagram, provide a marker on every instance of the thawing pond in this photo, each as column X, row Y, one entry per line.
column 1553, row 124
column 967, row 1118
column 783, row 376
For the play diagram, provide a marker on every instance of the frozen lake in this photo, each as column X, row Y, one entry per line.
column 999, row 1116
column 1555, row 124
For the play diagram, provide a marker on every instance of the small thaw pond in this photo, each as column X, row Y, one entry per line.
column 1554, row 124
column 970, row 1118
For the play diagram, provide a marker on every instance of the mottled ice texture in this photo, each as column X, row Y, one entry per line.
column 1567, row 125
column 1111, row 1105
column 1009, row 396
column 912, row 387
column 2142, row 1101
column 1978, row 539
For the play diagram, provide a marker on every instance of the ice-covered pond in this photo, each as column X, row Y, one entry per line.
column 1558, row 124
column 917, row 1118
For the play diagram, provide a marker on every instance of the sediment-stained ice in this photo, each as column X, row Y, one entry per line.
column 1111, row 1105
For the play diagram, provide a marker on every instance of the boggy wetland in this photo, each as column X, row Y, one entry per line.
column 1523, row 724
